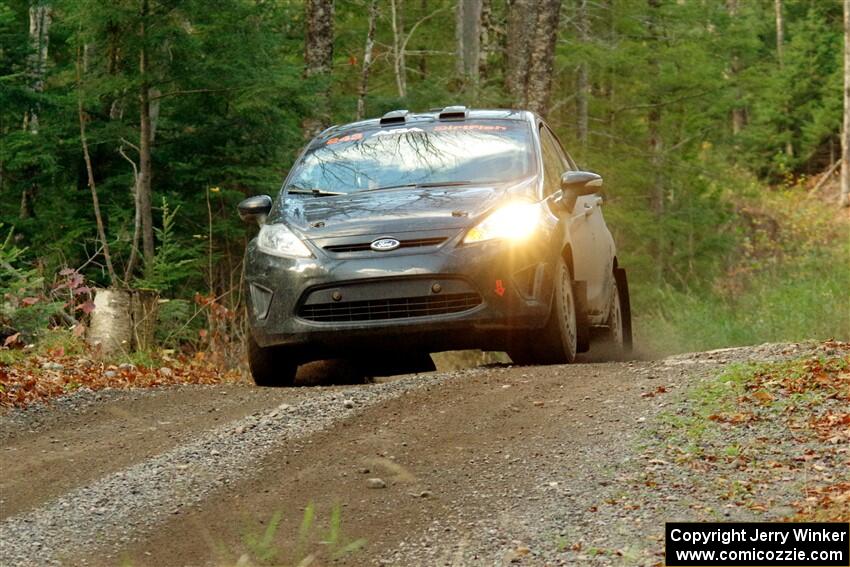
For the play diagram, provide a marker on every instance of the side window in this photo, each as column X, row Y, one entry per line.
column 553, row 162
column 569, row 164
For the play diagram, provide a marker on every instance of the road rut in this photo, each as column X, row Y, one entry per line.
column 490, row 465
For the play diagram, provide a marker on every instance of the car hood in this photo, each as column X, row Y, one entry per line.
column 387, row 211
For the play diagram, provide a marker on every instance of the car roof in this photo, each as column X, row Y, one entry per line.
column 404, row 117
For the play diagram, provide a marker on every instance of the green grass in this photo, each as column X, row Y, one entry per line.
column 49, row 341
column 694, row 431
column 692, row 428
column 797, row 300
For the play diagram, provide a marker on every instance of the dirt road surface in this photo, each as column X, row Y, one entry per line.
column 486, row 466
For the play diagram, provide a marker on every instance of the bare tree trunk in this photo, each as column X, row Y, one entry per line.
column 367, row 60
column 468, row 34
column 780, row 33
column 739, row 113
column 656, row 145
column 610, row 79
column 319, row 39
column 144, row 308
column 154, row 96
column 110, row 331
column 137, row 219
column 423, row 58
column 40, row 18
column 101, row 230
column 318, row 58
column 522, row 14
column 780, row 57
column 845, row 134
column 543, row 56
column 460, row 53
column 396, row 7
column 144, row 197
column 582, row 80
column 485, row 38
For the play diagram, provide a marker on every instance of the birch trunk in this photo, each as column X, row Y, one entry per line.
column 110, row 330
column 123, row 321
column 845, row 134
column 367, row 60
column 399, row 66
column 40, row 19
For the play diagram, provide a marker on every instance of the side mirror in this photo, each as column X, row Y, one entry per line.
column 575, row 184
column 255, row 208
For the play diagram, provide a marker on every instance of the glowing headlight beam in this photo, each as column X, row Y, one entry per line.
column 514, row 221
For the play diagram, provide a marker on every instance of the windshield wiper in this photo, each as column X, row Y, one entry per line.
column 314, row 192
column 420, row 185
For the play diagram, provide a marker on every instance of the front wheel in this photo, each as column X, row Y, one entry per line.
column 560, row 338
column 270, row 366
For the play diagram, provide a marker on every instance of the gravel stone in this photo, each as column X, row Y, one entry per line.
column 132, row 501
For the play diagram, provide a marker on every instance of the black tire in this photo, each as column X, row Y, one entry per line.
column 620, row 332
column 270, row 366
column 559, row 340
column 583, row 337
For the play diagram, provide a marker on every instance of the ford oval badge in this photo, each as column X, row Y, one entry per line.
column 385, row 244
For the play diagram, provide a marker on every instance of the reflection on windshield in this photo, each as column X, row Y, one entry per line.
column 480, row 152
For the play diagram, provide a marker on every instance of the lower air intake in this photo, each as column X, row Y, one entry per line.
column 396, row 308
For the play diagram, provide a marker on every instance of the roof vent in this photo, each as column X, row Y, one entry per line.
column 453, row 113
column 394, row 117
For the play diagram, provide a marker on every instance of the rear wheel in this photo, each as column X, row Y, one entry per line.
column 619, row 333
column 559, row 341
column 270, row 366
column 625, row 308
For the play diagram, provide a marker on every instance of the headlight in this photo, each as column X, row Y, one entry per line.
column 277, row 240
column 515, row 221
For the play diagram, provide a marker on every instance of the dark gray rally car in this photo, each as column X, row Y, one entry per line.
column 415, row 233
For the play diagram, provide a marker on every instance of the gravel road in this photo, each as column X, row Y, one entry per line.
column 487, row 466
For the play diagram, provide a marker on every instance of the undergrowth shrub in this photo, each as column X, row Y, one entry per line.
column 790, row 281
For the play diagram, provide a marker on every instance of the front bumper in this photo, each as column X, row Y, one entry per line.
column 512, row 284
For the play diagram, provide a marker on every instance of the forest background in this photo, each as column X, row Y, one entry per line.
column 129, row 130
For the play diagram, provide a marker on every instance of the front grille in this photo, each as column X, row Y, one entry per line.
column 364, row 246
column 396, row 308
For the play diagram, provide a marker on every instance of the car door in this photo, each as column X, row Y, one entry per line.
column 588, row 236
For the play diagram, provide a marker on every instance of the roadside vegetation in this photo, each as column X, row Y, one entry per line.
column 129, row 131
column 788, row 279
column 769, row 438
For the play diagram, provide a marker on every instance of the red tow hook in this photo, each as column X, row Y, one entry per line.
column 500, row 288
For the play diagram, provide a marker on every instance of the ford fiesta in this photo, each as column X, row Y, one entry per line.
column 410, row 234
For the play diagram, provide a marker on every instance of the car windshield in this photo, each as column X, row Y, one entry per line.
column 433, row 154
